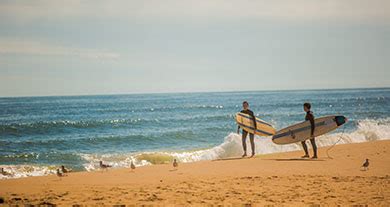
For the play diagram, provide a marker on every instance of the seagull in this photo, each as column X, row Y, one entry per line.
column 132, row 166
column 3, row 172
column 59, row 174
column 365, row 165
column 104, row 166
column 175, row 164
column 65, row 170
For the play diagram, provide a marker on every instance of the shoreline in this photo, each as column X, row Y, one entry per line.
column 230, row 147
column 269, row 179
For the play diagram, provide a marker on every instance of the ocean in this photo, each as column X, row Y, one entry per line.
column 38, row 134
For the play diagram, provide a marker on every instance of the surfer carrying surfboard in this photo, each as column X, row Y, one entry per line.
column 309, row 117
column 245, row 106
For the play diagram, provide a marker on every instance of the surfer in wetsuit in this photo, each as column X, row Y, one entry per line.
column 246, row 110
column 309, row 117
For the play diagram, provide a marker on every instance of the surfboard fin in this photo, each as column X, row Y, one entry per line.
column 340, row 120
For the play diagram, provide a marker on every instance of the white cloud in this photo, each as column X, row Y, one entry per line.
column 306, row 10
column 23, row 47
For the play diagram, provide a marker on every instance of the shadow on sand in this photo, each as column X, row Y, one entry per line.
column 296, row 159
column 280, row 159
column 232, row 158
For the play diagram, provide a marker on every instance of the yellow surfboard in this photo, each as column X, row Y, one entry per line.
column 246, row 123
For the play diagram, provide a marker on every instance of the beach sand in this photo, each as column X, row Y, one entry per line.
column 275, row 179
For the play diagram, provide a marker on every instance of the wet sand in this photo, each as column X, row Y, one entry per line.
column 281, row 179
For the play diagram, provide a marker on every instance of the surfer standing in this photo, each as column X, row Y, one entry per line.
column 310, row 117
column 245, row 106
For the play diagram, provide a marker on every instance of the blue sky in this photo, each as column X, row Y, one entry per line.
column 106, row 47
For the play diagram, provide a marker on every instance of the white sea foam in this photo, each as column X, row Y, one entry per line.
column 20, row 171
column 367, row 130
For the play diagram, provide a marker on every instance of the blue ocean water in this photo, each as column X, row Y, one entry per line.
column 37, row 134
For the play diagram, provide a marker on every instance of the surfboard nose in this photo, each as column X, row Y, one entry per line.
column 340, row 120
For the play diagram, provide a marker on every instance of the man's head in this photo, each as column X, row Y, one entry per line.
column 306, row 107
column 245, row 105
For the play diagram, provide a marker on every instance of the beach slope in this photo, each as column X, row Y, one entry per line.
column 274, row 179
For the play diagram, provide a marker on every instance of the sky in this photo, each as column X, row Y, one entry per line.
column 86, row 47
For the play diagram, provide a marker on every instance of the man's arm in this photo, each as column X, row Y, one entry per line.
column 312, row 123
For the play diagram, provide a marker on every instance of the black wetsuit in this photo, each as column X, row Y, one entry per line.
column 310, row 117
column 245, row 133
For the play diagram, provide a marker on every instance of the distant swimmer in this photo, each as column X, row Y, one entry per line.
column 365, row 165
column 245, row 106
column 132, row 166
column 65, row 170
column 104, row 166
column 309, row 117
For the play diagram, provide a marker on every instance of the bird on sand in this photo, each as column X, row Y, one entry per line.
column 175, row 164
column 65, row 170
column 132, row 166
column 3, row 172
column 59, row 173
column 366, row 164
column 104, row 166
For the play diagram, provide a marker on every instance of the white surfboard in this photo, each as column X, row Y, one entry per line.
column 262, row 128
column 302, row 131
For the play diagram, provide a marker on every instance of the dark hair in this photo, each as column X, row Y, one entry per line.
column 245, row 102
column 307, row 105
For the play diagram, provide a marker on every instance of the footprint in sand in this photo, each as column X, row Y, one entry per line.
column 98, row 199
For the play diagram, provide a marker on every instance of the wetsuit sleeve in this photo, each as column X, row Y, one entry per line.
column 312, row 123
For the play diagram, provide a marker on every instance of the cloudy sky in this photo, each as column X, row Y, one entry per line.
column 74, row 47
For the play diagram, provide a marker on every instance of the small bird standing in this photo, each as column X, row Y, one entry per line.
column 132, row 166
column 65, row 170
column 59, row 174
column 3, row 172
column 365, row 165
column 175, row 164
column 104, row 166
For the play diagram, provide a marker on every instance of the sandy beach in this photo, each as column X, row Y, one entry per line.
column 274, row 179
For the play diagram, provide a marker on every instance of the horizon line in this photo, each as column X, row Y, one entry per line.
column 193, row 92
